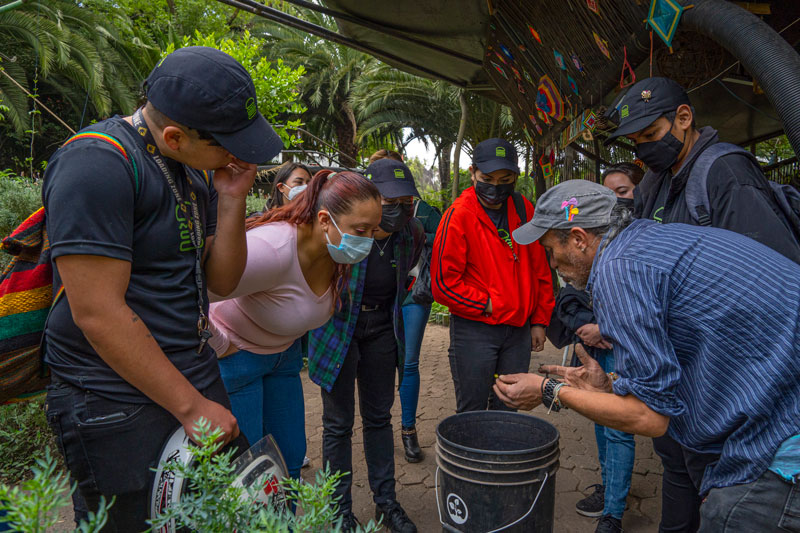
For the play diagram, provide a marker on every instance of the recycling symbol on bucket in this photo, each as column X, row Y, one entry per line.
column 457, row 509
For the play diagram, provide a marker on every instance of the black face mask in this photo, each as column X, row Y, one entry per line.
column 661, row 154
column 395, row 216
column 493, row 194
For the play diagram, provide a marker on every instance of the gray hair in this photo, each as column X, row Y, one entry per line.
column 621, row 218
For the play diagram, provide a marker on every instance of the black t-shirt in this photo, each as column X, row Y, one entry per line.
column 93, row 208
column 499, row 218
column 380, row 283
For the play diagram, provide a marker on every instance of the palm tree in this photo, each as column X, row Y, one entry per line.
column 69, row 54
column 331, row 72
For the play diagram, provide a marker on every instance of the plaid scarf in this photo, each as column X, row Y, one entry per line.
column 328, row 345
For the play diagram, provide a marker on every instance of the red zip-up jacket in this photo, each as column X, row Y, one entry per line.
column 471, row 263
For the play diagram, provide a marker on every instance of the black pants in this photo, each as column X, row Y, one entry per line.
column 680, row 485
column 477, row 352
column 372, row 361
column 111, row 448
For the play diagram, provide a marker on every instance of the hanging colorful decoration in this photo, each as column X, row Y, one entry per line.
column 602, row 45
column 577, row 62
column 517, row 75
column 520, row 87
column 543, row 117
column 499, row 69
column 501, row 57
column 663, row 17
column 559, row 60
column 592, row 5
column 626, row 67
column 589, row 120
column 547, row 167
column 506, row 52
column 527, row 134
column 527, row 76
column 534, row 34
column 573, row 85
column 549, row 100
column 535, row 124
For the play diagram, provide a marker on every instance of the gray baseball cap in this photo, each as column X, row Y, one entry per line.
column 572, row 204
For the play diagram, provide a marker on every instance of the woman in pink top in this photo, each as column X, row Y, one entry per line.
column 293, row 277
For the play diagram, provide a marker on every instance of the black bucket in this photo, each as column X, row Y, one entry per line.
column 496, row 471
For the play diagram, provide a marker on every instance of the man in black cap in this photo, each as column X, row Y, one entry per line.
column 657, row 116
column 500, row 294
column 139, row 230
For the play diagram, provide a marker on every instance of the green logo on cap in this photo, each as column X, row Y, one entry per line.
column 369, row 176
column 250, row 106
column 624, row 112
column 398, row 173
column 500, row 151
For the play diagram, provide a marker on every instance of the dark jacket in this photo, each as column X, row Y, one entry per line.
column 740, row 196
column 430, row 218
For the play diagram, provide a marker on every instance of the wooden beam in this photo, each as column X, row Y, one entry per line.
column 578, row 148
column 757, row 8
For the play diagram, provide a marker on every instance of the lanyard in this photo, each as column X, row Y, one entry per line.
column 195, row 225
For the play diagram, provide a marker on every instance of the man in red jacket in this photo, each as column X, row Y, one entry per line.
column 500, row 293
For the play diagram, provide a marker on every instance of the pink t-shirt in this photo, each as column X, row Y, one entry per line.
column 273, row 305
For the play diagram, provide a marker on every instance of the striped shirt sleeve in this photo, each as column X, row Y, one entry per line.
column 644, row 356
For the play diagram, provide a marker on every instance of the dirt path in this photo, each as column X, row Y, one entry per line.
column 415, row 487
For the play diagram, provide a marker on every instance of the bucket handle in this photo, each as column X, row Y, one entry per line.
column 518, row 520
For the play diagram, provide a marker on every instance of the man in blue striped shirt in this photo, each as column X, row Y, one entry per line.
column 706, row 341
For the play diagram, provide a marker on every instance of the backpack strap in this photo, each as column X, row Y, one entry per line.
column 116, row 144
column 519, row 205
column 697, row 185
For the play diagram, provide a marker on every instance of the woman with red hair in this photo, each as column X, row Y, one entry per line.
column 298, row 259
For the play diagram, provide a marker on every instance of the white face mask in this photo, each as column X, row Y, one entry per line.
column 294, row 191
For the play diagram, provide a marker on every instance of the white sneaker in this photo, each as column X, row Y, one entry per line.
column 306, row 461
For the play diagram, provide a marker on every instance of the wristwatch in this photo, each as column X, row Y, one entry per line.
column 548, row 395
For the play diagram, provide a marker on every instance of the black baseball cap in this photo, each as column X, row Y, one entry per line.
column 495, row 154
column 644, row 103
column 205, row 89
column 392, row 178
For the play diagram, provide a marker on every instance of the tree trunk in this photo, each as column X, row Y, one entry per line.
column 346, row 137
column 462, row 97
column 444, row 172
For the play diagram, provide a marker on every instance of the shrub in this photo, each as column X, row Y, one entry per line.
column 24, row 437
column 33, row 507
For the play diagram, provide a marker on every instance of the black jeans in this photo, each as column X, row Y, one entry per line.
column 372, row 360
column 111, row 448
column 767, row 504
column 680, row 485
column 477, row 352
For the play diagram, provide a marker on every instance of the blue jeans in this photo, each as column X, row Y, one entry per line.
column 616, row 451
column 415, row 318
column 267, row 398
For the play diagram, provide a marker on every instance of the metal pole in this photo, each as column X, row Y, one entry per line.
column 294, row 22
column 12, row 5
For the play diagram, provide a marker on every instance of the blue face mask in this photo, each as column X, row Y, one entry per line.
column 351, row 250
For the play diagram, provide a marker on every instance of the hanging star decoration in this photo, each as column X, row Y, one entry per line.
column 534, row 34
column 559, row 60
column 549, row 100
column 506, row 52
column 602, row 45
column 577, row 62
column 535, row 124
column 590, row 120
column 664, row 17
column 573, row 85
column 592, row 5
column 570, row 208
column 547, row 167
column 499, row 69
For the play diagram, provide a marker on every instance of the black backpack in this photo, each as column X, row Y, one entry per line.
column 786, row 197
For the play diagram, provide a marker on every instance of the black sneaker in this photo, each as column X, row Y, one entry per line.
column 609, row 524
column 394, row 518
column 592, row 505
column 349, row 522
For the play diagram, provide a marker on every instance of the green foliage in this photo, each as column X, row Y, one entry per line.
column 436, row 307
column 18, row 199
column 255, row 203
column 215, row 506
column 276, row 85
column 33, row 507
column 24, row 437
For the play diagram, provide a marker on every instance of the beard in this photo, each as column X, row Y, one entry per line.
column 579, row 278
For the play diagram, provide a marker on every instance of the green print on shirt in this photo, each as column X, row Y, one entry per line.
column 506, row 238
column 183, row 218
